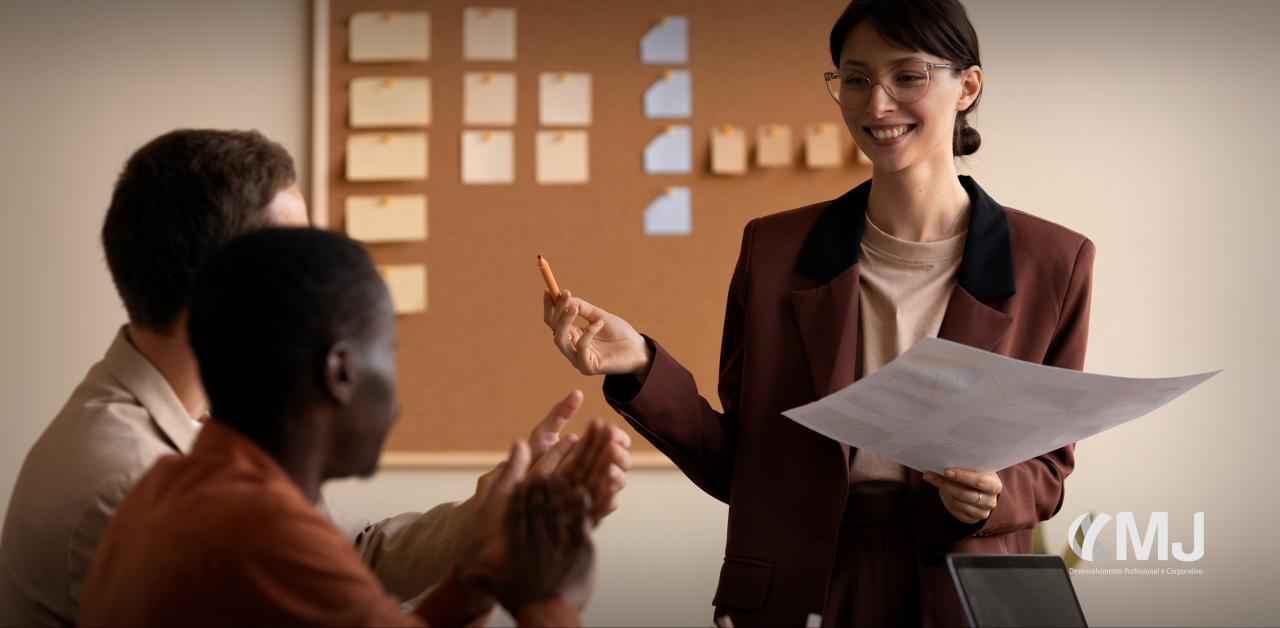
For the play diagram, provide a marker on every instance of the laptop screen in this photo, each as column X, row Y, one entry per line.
column 1015, row 590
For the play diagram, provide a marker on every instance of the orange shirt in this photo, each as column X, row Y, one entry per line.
column 225, row 537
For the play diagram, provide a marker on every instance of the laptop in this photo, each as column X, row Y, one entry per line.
column 1015, row 590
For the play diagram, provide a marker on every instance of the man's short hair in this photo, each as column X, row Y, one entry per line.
column 265, row 311
column 179, row 198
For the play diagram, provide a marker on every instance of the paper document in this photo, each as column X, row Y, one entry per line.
column 488, row 34
column 670, row 96
column 670, row 214
column 670, row 151
column 667, row 42
column 943, row 404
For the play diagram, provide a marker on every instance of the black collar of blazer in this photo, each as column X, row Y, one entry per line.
column 986, row 270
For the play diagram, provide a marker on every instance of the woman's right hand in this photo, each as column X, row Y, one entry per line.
column 607, row 346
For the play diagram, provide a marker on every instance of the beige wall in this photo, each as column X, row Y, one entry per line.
column 1148, row 126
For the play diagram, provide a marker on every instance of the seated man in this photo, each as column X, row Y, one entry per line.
column 179, row 198
column 295, row 336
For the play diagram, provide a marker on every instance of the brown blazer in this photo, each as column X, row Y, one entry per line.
column 790, row 335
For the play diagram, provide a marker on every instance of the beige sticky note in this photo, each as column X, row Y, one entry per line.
column 398, row 218
column 728, row 150
column 386, row 156
column 489, row 98
column 822, row 145
column 562, row 157
column 773, row 145
column 407, row 284
column 564, row 99
column 376, row 36
column 488, row 34
column 389, row 101
column 488, row 157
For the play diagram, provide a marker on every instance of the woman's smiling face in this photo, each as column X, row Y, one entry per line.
column 897, row 135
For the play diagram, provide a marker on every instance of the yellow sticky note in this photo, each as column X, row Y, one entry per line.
column 407, row 284
column 728, row 150
column 488, row 157
column 562, row 157
column 489, row 98
column 773, row 145
column 488, row 34
column 386, row 156
column 822, row 145
column 399, row 218
column 389, row 101
column 377, row 36
column 564, row 99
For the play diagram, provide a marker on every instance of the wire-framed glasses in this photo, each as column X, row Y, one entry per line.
column 905, row 82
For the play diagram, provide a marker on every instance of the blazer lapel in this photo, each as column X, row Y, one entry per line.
column 828, row 320
column 986, row 272
column 969, row 322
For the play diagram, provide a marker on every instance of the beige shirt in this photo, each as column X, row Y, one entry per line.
column 117, row 423
column 903, row 289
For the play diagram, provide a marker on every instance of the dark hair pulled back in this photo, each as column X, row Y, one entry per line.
column 938, row 27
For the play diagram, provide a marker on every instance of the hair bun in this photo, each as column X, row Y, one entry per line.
column 967, row 140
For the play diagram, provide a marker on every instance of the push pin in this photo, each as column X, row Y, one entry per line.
column 561, row 136
column 671, row 191
column 488, row 11
column 386, row 138
column 564, row 76
column 666, row 20
column 385, row 271
column 822, row 127
column 488, row 136
column 488, row 77
column 668, row 75
column 773, row 129
column 726, row 129
column 390, row 15
column 391, row 80
column 386, row 201
column 671, row 128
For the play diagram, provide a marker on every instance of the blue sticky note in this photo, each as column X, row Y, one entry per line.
column 667, row 42
column 671, row 152
column 670, row 214
column 670, row 96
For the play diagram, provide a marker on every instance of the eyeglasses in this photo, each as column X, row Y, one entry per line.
column 906, row 83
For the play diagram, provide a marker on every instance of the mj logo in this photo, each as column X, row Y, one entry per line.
column 1126, row 529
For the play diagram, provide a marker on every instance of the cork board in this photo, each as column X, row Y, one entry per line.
column 477, row 368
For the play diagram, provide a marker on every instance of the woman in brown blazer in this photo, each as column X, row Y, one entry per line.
column 824, row 294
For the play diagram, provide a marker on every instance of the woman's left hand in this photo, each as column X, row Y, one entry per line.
column 968, row 495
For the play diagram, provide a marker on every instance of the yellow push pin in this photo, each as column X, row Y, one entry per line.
column 385, row 271
column 822, row 127
column 561, row 136
column 671, row 128
column 726, row 129
column 386, row 200
column 671, row 191
column 668, row 75
column 386, row 138
column 488, row 11
column 773, row 129
column 666, row 20
column 564, row 76
column 488, row 136
column 488, row 77
column 391, row 80
column 390, row 15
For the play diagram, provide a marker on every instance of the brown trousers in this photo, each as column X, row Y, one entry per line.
column 874, row 581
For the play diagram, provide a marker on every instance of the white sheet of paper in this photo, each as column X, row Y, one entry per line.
column 667, row 42
column 488, row 157
column 407, row 284
column 728, row 150
column 489, row 98
column 822, row 145
column 562, row 157
column 488, row 34
column 377, row 36
column 773, row 145
column 671, row 96
column 942, row 404
column 564, row 99
column 398, row 218
column 386, row 156
column 389, row 101
column 670, row 214
column 670, row 152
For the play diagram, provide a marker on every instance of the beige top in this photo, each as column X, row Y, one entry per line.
column 117, row 423
column 903, row 289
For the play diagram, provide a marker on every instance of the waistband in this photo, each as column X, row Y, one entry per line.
column 876, row 510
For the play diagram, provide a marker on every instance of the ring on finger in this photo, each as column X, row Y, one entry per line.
column 978, row 500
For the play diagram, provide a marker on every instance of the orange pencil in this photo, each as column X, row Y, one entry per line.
column 551, row 279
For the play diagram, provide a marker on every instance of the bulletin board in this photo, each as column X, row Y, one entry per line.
column 477, row 368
